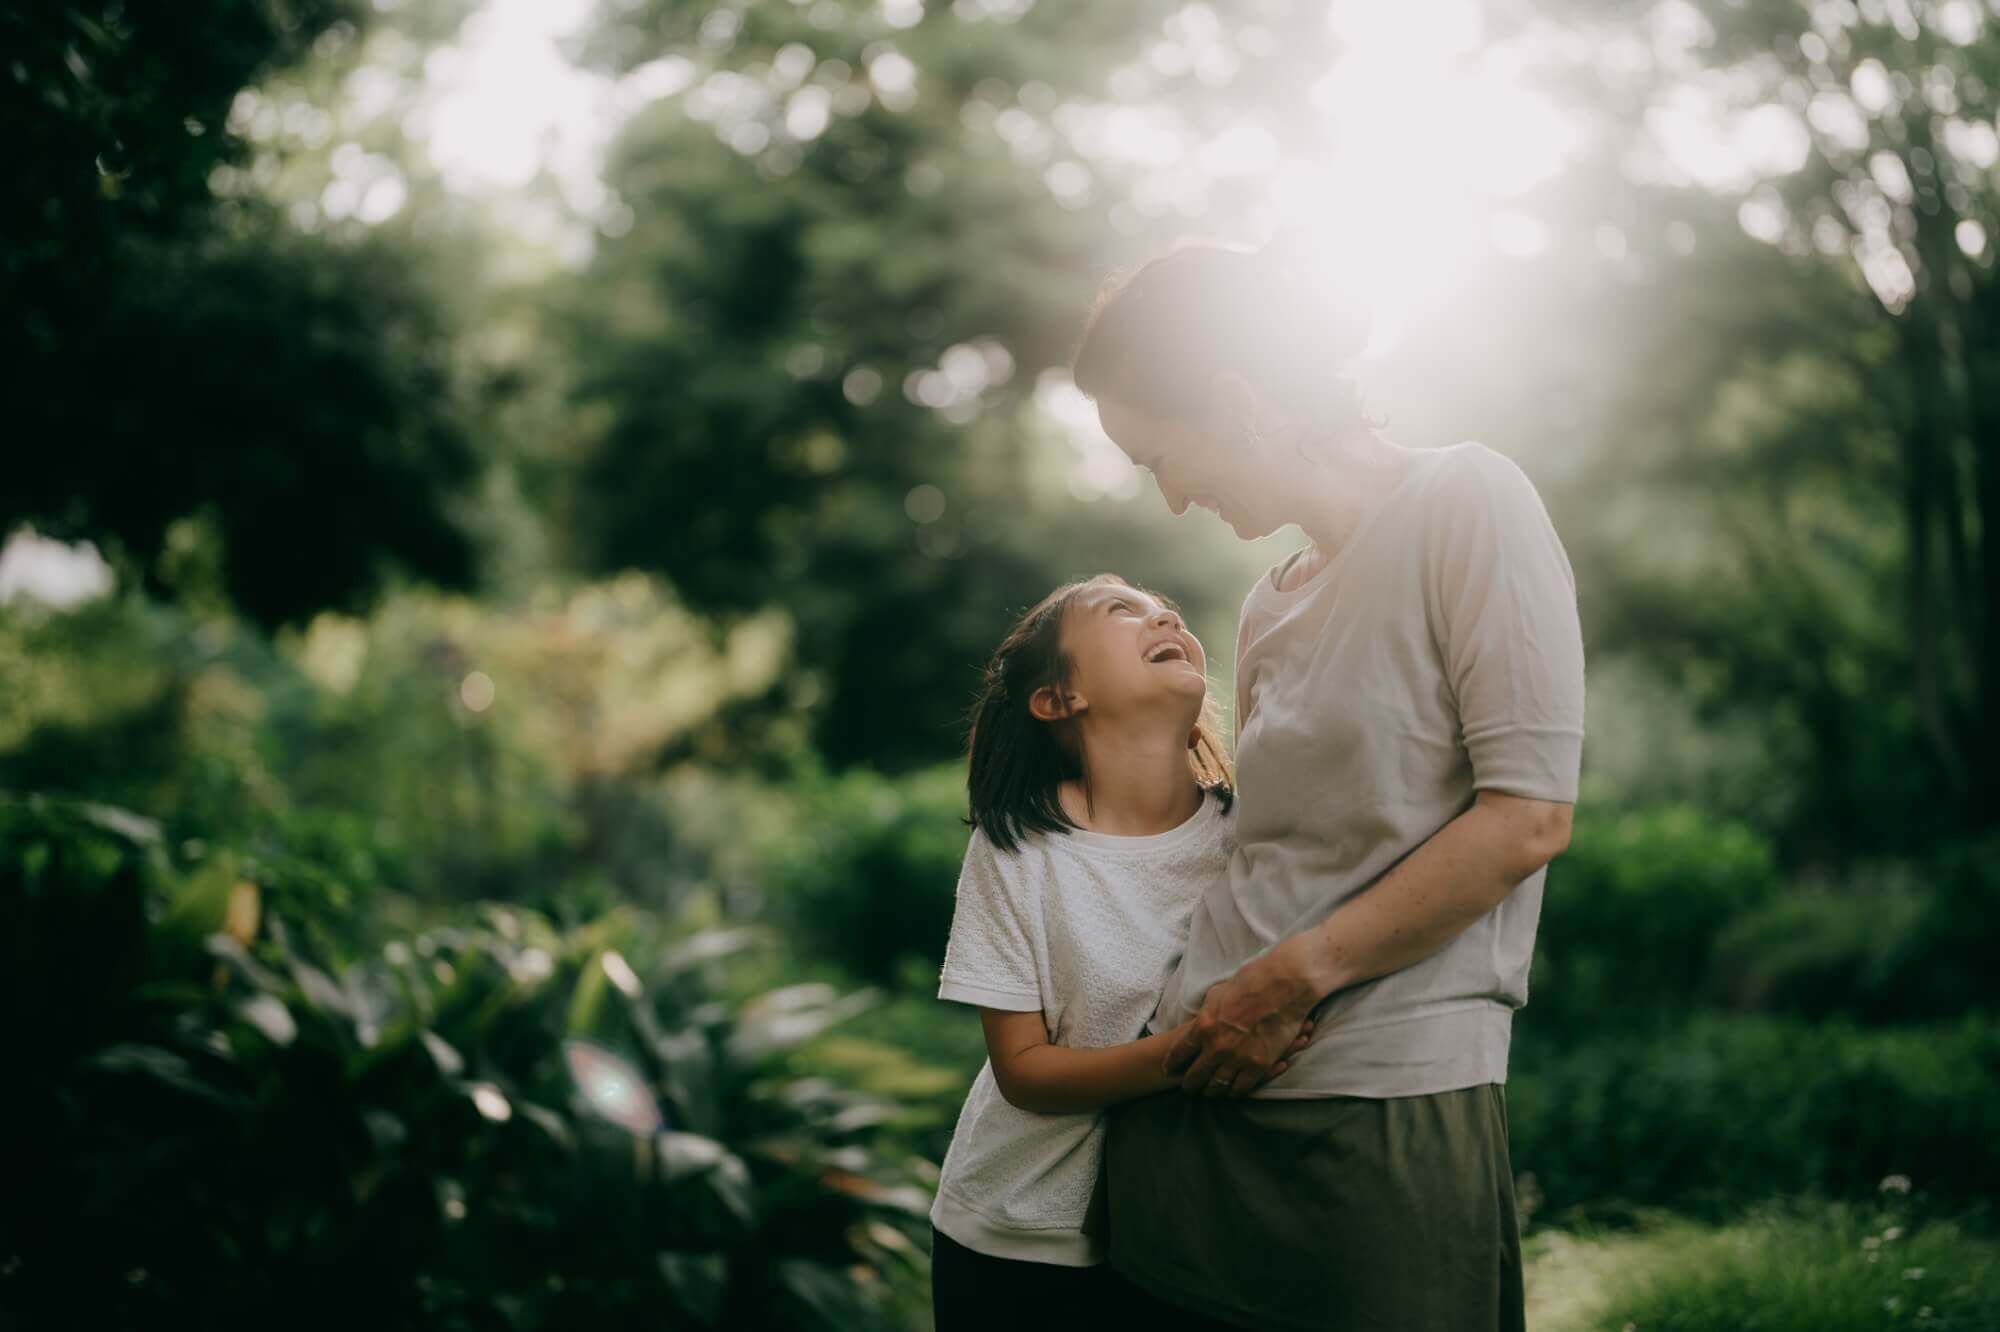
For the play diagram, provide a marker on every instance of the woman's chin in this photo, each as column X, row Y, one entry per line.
column 1248, row 531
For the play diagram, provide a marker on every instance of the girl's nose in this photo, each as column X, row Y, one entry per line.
column 1167, row 617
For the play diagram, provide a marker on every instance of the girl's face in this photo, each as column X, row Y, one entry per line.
column 1131, row 653
column 1193, row 469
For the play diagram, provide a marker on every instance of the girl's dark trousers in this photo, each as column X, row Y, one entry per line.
column 974, row 1292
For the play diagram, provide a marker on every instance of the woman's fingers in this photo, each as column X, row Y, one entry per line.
column 1202, row 1071
column 1182, row 1052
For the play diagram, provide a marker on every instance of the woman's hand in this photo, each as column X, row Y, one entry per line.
column 1175, row 1035
column 1248, row 1028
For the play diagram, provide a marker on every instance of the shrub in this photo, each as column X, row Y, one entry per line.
column 490, row 1123
column 1707, row 1112
column 868, row 875
column 1902, row 943
column 1632, row 909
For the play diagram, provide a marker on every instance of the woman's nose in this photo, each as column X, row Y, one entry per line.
column 1167, row 618
column 1176, row 502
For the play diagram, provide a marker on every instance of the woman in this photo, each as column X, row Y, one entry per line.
column 1409, row 715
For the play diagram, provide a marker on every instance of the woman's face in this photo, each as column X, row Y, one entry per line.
column 1192, row 468
column 1130, row 652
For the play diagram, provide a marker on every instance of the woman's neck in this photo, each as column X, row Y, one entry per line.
column 1355, row 472
column 1140, row 784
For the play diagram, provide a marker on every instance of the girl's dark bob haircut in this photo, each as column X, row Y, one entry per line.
column 1016, row 763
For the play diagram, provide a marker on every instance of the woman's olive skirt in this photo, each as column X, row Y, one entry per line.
column 1353, row 1214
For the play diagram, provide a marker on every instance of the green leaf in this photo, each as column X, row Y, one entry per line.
column 163, row 1066
column 320, row 990
column 549, row 1122
column 588, row 996
column 226, row 948
column 687, row 1157
column 385, row 1129
column 706, row 946
column 830, row 1296
column 268, row 1014
column 133, row 827
column 698, row 1281
column 786, row 1018
column 448, row 1060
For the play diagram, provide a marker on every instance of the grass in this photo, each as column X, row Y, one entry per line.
column 1796, row 1266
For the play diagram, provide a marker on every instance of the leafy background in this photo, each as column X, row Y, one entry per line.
column 494, row 587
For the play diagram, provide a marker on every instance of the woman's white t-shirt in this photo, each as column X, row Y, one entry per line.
column 1085, row 927
column 1438, row 654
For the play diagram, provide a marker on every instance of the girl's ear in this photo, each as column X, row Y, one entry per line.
column 1194, row 737
column 1045, row 704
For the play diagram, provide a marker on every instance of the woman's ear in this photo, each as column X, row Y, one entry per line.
column 1194, row 737
column 1046, row 704
column 1232, row 408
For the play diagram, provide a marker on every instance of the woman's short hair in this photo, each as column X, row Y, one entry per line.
column 1016, row 762
column 1158, row 333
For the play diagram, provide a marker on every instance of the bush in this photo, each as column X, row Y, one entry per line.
column 492, row 1123
column 869, row 875
column 1705, row 1113
column 1906, row 943
column 1632, row 909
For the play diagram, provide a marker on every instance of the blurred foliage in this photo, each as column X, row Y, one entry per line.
column 1845, row 1268
column 359, row 739
column 1903, row 942
column 117, row 112
column 1630, row 912
column 775, row 382
column 866, row 879
column 1814, row 402
column 1706, row 1111
column 502, row 578
column 181, row 360
column 495, row 1122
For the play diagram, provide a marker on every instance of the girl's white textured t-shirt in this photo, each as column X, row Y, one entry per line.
column 1084, row 927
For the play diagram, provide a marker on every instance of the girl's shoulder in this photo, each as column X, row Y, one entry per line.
column 1036, row 849
column 984, row 855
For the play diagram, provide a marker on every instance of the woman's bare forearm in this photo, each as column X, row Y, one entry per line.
column 1435, row 894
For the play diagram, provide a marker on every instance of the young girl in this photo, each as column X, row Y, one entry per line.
column 1099, row 806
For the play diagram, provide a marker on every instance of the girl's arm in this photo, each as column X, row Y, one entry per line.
column 1048, row 1079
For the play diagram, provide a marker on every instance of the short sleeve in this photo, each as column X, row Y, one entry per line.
column 989, row 960
column 1502, row 605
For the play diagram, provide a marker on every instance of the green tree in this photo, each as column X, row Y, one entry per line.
column 1835, row 403
column 838, row 265
column 175, row 358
